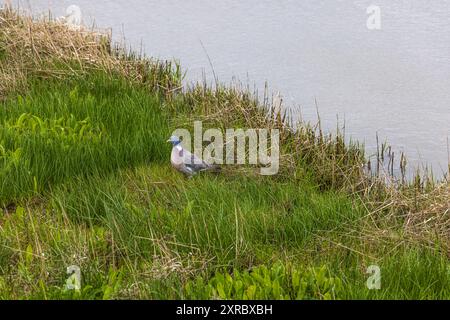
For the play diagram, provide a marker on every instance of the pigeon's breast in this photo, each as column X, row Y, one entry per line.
column 176, row 157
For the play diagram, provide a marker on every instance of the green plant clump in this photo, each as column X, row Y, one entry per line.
column 271, row 283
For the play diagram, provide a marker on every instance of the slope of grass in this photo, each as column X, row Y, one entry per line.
column 85, row 181
column 147, row 232
column 137, row 228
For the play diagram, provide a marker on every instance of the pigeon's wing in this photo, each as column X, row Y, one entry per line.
column 186, row 170
column 192, row 162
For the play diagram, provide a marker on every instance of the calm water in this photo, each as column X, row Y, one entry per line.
column 394, row 81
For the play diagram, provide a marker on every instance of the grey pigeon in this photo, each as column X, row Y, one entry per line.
column 186, row 162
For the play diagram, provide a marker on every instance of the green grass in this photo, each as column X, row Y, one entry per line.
column 224, row 217
column 85, row 180
column 161, row 232
column 63, row 129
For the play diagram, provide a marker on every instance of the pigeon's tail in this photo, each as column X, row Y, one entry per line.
column 215, row 168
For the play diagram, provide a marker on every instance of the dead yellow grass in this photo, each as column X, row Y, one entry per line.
column 427, row 213
column 46, row 48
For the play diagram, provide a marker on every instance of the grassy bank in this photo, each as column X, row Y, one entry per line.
column 85, row 180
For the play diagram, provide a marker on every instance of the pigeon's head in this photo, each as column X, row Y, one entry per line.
column 174, row 140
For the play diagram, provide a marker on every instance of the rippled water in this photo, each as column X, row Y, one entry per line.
column 394, row 81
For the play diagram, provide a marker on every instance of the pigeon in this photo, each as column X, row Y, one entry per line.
column 187, row 163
